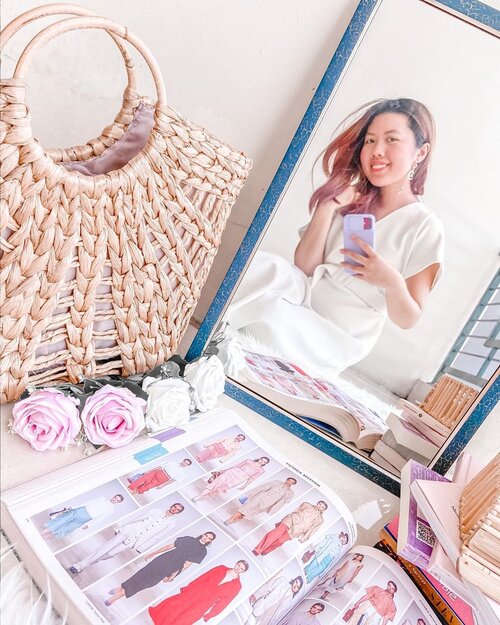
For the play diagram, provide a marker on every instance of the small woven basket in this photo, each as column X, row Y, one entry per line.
column 101, row 272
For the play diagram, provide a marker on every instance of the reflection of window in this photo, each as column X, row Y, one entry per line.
column 474, row 357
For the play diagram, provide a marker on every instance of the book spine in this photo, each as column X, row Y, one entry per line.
column 419, row 415
column 406, row 434
column 436, row 437
column 449, row 581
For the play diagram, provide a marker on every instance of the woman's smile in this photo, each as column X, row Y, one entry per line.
column 378, row 166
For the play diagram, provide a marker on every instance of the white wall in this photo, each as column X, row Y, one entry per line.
column 246, row 70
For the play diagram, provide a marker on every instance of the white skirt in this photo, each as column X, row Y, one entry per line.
column 319, row 323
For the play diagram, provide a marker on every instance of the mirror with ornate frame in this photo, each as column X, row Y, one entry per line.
column 402, row 127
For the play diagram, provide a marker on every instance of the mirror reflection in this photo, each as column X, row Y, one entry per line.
column 371, row 300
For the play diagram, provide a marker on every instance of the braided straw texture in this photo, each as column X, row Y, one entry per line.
column 100, row 274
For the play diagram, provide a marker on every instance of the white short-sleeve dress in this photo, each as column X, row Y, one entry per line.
column 331, row 320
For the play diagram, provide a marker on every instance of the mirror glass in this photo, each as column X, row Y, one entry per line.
column 389, row 334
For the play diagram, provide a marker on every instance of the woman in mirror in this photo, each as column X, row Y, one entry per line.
column 326, row 311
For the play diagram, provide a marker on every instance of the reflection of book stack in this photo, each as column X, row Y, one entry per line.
column 431, row 428
column 388, row 450
column 421, row 430
column 401, row 443
column 449, row 607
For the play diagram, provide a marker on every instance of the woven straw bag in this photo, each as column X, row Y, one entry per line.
column 103, row 254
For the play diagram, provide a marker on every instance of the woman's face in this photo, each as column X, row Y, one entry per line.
column 206, row 539
column 296, row 585
column 239, row 568
column 262, row 461
column 389, row 150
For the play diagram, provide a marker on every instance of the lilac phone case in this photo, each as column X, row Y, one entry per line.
column 363, row 226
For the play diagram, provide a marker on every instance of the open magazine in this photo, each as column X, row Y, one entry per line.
column 208, row 526
column 321, row 403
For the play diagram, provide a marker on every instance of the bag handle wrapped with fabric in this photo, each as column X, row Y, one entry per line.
column 105, row 247
column 47, row 10
column 97, row 23
column 125, row 114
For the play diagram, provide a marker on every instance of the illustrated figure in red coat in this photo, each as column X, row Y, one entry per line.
column 205, row 597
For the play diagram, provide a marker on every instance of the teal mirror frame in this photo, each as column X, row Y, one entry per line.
column 477, row 14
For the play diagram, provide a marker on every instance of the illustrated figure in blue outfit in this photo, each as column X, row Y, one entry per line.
column 326, row 551
column 67, row 520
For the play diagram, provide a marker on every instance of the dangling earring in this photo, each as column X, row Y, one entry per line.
column 410, row 175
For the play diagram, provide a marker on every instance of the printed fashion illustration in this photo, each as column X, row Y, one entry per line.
column 302, row 523
column 66, row 521
column 376, row 607
column 138, row 535
column 239, row 475
column 272, row 598
column 221, row 450
column 324, row 553
column 268, row 498
column 159, row 477
column 345, row 574
column 203, row 598
column 165, row 564
column 299, row 617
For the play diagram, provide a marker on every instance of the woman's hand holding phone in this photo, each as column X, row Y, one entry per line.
column 370, row 266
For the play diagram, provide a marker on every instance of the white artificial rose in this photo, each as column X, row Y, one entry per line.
column 169, row 401
column 148, row 380
column 206, row 377
column 231, row 354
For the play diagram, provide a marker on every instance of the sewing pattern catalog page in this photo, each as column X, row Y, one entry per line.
column 184, row 530
column 364, row 588
column 290, row 380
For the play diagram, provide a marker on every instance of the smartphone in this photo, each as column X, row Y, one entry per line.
column 363, row 226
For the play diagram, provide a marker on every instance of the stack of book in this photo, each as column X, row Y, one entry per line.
column 420, row 430
column 429, row 533
column 450, row 608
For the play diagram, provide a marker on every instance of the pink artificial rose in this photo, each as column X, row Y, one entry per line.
column 47, row 419
column 113, row 416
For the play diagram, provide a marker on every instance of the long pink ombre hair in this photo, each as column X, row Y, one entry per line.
column 341, row 160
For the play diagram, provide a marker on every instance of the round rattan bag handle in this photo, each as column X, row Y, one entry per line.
column 78, row 23
column 63, row 9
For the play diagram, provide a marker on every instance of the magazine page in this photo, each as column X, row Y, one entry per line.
column 365, row 587
column 290, row 380
column 284, row 377
column 185, row 530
